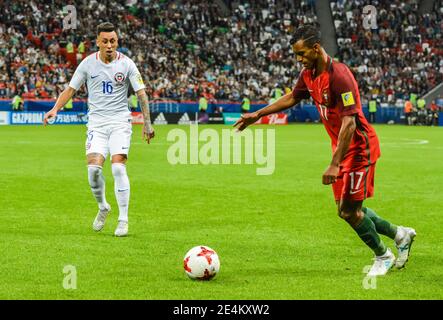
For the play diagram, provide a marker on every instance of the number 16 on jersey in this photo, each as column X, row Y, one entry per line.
column 107, row 87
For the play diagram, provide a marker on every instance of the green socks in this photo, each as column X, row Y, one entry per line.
column 382, row 226
column 366, row 230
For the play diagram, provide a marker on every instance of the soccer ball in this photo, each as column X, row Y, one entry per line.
column 201, row 263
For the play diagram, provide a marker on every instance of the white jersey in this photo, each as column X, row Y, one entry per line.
column 107, row 88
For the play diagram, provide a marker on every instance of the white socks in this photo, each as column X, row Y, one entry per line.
column 97, row 183
column 400, row 234
column 121, row 187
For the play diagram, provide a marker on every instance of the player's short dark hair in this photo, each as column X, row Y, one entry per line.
column 105, row 27
column 309, row 33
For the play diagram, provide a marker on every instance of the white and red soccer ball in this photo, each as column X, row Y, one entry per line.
column 201, row 263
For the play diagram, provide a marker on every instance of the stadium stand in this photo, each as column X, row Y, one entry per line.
column 186, row 48
column 182, row 47
column 403, row 55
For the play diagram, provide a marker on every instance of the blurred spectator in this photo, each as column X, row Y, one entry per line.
column 372, row 110
column 433, row 111
column 68, row 106
column 133, row 102
column 421, row 111
column 276, row 93
column 433, row 106
column 246, row 104
column 202, row 104
column 17, row 103
column 408, row 112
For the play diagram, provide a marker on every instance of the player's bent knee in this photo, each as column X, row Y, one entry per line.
column 350, row 207
column 347, row 212
column 351, row 217
column 345, row 215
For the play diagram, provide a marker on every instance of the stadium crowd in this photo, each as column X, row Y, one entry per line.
column 184, row 48
column 181, row 47
column 403, row 55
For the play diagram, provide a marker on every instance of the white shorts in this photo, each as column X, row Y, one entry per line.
column 113, row 139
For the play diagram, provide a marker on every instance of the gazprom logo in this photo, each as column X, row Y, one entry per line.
column 27, row 117
column 37, row 118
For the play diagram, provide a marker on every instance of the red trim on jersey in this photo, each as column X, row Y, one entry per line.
column 96, row 55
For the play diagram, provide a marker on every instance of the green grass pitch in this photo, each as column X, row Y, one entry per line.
column 278, row 236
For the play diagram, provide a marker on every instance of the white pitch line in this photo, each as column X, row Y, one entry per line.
column 398, row 143
column 406, row 142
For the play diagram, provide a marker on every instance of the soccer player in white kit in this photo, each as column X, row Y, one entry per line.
column 107, row 74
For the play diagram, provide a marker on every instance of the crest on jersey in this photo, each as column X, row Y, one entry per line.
column 348, row 99
column 119, row 77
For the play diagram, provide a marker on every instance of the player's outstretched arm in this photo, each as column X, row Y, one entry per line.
column 148, row 130
column 63, row 98
column 285, row 102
